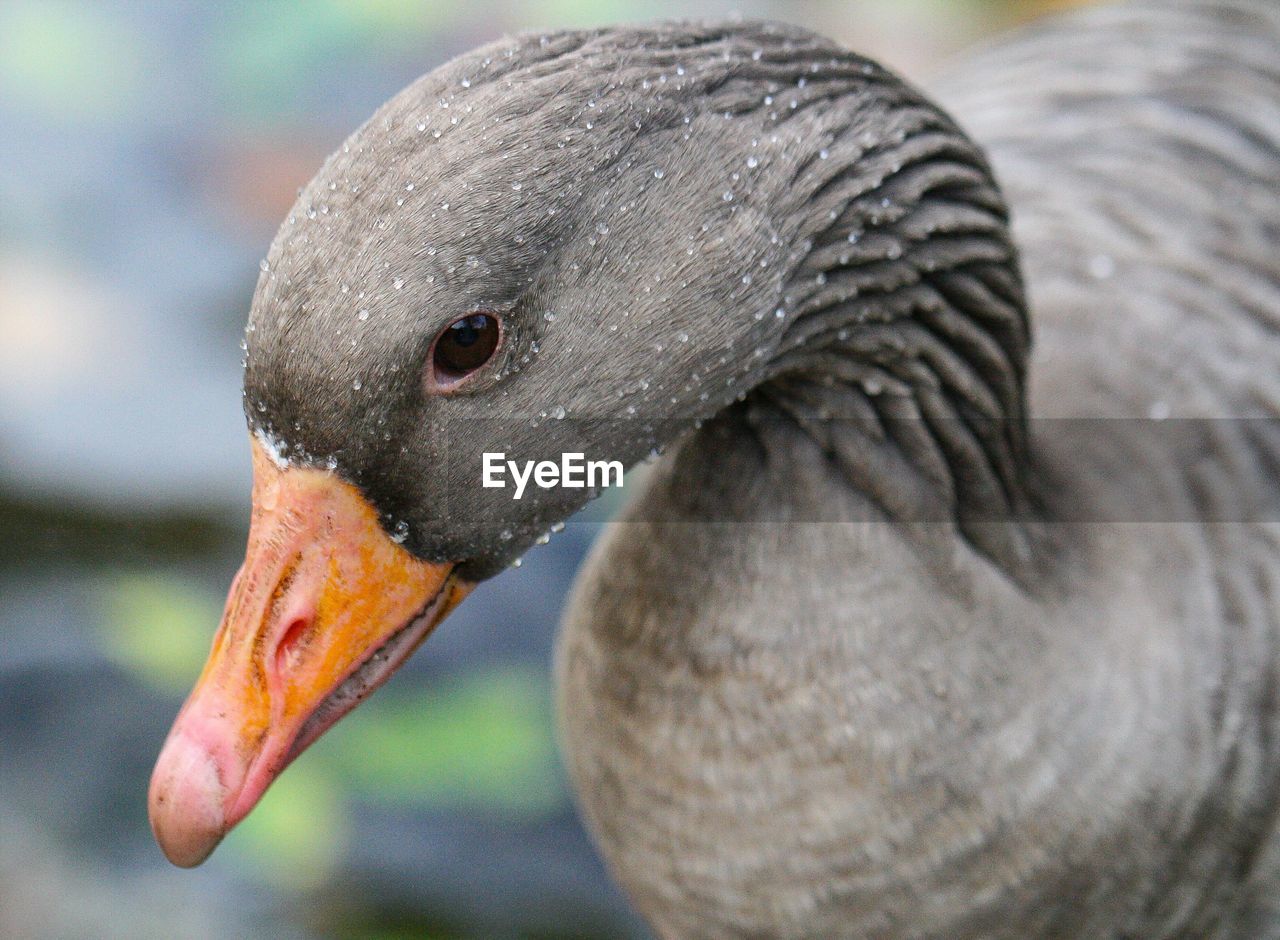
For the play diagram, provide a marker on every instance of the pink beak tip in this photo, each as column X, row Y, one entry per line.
column 185, row 802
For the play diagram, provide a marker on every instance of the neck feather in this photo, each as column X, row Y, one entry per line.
column 906, row 337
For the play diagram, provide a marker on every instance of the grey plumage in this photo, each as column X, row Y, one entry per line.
column 872, row 655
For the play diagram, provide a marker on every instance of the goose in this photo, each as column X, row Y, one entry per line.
column 908, row 632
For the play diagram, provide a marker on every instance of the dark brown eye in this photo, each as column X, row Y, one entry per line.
column 464, row 346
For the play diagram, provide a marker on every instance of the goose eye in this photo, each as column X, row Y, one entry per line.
column 464, row 346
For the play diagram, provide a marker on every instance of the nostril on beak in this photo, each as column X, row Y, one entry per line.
column 292, row 642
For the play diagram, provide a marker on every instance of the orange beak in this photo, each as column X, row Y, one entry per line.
column 324, row 609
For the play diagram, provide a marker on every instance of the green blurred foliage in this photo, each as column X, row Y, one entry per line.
column 158, row 627
column 294, row 837
column 480, row 742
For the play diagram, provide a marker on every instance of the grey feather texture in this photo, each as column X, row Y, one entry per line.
column 913, row 632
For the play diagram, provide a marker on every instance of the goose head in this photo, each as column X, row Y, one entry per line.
column 585, row 242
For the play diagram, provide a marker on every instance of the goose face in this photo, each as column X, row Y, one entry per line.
column 620, row 253
column 512, row 256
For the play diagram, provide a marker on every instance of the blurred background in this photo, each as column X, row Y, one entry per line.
column 148, row 149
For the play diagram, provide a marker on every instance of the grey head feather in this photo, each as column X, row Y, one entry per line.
column 666, row 220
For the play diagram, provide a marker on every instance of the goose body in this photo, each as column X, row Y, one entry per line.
column 869, row 729
column 873, row 653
